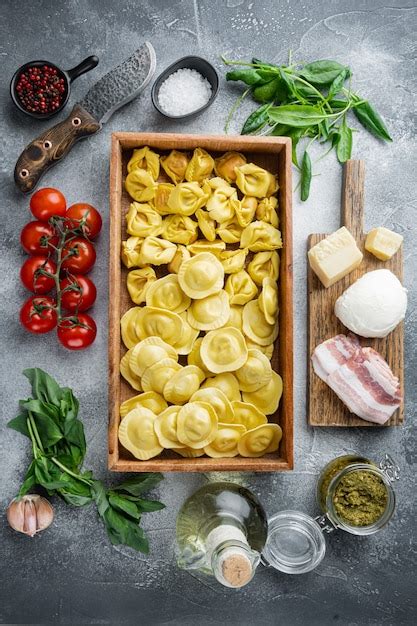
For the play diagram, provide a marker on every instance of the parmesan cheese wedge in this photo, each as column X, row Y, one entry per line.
column 335, row 256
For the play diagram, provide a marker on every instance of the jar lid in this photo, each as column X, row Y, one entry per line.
column 295, row 543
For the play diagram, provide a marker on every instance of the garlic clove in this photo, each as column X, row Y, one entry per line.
column 30, row 514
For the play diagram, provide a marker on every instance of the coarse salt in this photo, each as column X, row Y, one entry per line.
column 183, row 92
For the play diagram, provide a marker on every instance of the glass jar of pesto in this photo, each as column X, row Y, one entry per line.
column 356, row 495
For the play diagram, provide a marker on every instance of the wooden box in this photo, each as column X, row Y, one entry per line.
column 272, row 153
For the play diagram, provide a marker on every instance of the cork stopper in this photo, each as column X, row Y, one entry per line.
column 236, row 569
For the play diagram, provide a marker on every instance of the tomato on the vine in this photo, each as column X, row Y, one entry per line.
column 38, row 238
column 47, row 202
column 79, row 255
column 93, row 221
column 32, row 277
column 38, row 314
column 78, row 293
column 77, row 333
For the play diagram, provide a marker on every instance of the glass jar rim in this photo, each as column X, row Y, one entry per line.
column 382, row 521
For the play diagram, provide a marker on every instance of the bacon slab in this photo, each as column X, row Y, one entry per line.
column 331, row 354
column 360, row 377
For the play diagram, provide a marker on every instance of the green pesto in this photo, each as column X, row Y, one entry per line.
column 360, row 498
column 330, row 471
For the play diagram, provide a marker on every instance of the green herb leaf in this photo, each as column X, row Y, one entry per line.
column 344, row 144
column 19, row 423
column 48, row 429
column 149, row 506
column 281, row 130
column 256, row 120
column 323, row 72
column 122, row 530
column 29, row 480
column 125, row 506
column 138, row 485
column 267, row 92
column 249, row 76
column 300, row 116
column 371, row 120
column 305, row 176
column 295, row 134
column 100, row 496
column 337, row 84
column 44, row 387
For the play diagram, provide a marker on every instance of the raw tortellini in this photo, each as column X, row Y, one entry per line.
column 131, row 251
column 201, row 276
column 143, row 220
column 224, row 350
column 200, row 343
column 200, row 167
column 140, row 185
column 259, row 236
column 240, row 288
column 175, row 165
column 225, row 166
column 179, row 229
column 156, row 251
column 166, row 293
column 144, row 159
column 253, row 180
column 186, row 198
column 264, row 265
column 138, row 282
column 210, row 312
column 137, row 434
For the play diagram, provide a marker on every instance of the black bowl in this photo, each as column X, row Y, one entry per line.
column 191, row 63
column 68, row 75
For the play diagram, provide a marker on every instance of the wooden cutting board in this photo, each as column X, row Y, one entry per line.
column 324, row 407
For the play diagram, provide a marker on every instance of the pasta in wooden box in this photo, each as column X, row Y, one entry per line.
column 200, row 273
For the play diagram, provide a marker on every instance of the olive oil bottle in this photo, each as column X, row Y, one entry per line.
column 221, row 531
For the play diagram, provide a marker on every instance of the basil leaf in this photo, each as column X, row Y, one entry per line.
column 256, row 120
column 137, row 486
column 44, row 387
column 296, row 115
column 371, row 120
column 249, row 77
column 19, row 423
column 100, row 497
column 74, row 434
column 29, row 480
column 47, row 474
column 337, row 84
column 267, row 92
column 48, row 429
column 305, row 176
column 40, row 408
column 69, row 404
column 295, row 134
column 322, row 72
column 74, row 499
column 344, row 144
column 125, row 506
column 122, row 530
column 280, row 130
column 148, row 506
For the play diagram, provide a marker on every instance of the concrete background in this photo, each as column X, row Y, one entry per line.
column 71, row 574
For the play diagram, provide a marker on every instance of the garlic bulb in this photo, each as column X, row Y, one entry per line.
column 30, row 514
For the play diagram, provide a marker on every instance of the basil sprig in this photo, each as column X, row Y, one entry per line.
column 308, row 101
column 50, row 420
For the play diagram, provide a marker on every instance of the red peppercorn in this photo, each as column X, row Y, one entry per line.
column 41, row 89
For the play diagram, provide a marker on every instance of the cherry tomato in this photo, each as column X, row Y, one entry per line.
column 92, row 218
column 32, row 279
column 37, row 314
column 82, row 297
column 77, row 335
column 81, row 256
column 47, row 202
column 36, row 237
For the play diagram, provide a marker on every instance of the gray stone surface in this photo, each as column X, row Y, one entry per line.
column 70, row 574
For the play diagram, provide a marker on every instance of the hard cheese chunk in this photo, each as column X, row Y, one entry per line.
column 383, row 243
column 335, row 256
